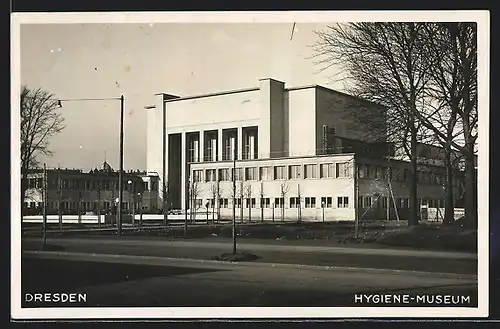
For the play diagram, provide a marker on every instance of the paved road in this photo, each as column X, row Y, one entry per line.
column 274, row 253
column 110, row 280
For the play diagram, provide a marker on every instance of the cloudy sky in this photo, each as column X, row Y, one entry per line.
column 139, row 60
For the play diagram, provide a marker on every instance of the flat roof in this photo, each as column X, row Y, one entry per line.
column 235, row 91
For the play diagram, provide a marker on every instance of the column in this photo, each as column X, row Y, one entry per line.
column 183, row 170
column 240, row 143
column 201, row 146
column 219, row 144
column 251, row 138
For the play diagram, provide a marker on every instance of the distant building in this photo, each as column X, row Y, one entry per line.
column 277, row 136
column 80, row 192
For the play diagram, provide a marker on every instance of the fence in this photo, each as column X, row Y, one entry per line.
column 111, row 219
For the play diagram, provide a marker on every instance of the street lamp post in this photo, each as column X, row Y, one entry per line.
column 323, row 206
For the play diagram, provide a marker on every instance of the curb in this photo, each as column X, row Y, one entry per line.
column 57, row 254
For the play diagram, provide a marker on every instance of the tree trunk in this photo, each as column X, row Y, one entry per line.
column 449, row 209
column 470, row 191
column 414, row 211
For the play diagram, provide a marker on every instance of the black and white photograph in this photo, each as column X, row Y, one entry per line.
column 213, row 165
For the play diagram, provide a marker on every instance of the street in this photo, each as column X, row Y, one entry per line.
column 118, row 281
column 139, row 272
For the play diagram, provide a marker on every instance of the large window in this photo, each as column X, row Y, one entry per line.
column 326, row 202
column 250, row 202
column 342, row 202
column 198, row 175
column 279, row 202
column 265, row 173
column 192, row 150
column 280, row 172
column 294, row 171
column 310, row 202
column 210, row 175
column 251, row 173
column 224, row 174
column 239, row 173
column 343, row 170
column 294, row 202
column 327, row 170
column 265, row 202
column 310, row 171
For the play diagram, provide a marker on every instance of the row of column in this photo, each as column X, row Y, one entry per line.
column 218, row 146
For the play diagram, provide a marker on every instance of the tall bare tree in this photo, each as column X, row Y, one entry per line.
column 261, row 195
column 284, row 189
column 384, row 63
column 39, row 121
column 194, row 191
column 248, row 197
column 452, row 49
column 215, row 192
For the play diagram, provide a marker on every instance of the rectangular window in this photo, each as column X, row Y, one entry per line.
column 210, row 175
column 239, row 173
column 279, row 172
column 197, row 175
column 343, row 170
column 191, row 150
column 251, row 173
column 224, row 174
column 310, row 171
column 367, row 201
column 294, row 171
column 342, row 202
column 265, row 202
column 265, row 173
column 294, row 202
column 279, row 202
column 310, row 202
column 384, row 202
column 327, row 170
column 39, row 183
column 250, row 201
column 238, row 203
column 154, row 186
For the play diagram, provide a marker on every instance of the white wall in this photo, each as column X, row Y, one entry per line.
column 212, row 112
column 302, row 122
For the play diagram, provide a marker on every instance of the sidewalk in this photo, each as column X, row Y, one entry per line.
column 258, row 245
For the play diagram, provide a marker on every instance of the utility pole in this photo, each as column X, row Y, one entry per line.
column 234, row 202
column 44, row 195
column 120, row 172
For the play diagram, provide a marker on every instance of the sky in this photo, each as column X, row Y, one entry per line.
column 139, row 60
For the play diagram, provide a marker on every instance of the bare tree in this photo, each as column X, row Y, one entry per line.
column 384, row 63
column 299, row 204
column 215, row 192
column 39, row 122
column 452, row 48
column 248, row 197
column 284, row 189
column 261, row 195
column 194, row 191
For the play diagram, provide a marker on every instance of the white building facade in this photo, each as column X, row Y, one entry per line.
column 294, row 139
